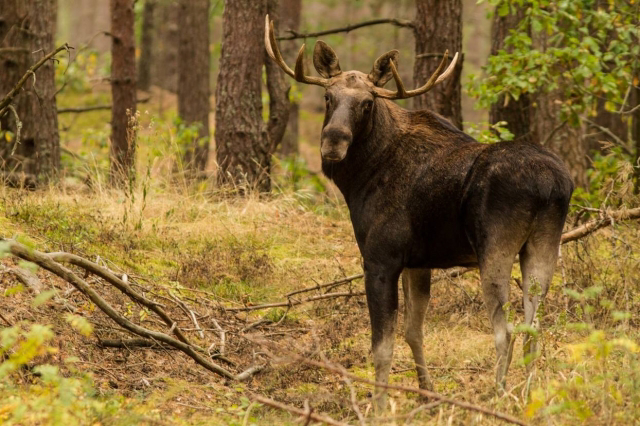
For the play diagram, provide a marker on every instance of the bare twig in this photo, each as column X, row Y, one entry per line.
column 403, row 23
column 594, row 225
column 45, row 261
column 6, row 101
column 131, row 343
column 124, row 287
column 296, row 302
column 423, row 392
column 345, row 280
column 105, row 107
column 609, row 133
column 305, row 413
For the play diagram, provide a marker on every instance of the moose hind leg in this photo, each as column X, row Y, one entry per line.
column 382, row 299
column 416, row 284
column 537, row 261
column 495, row 274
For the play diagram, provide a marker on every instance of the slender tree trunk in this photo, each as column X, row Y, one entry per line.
column 290, row 20
column 517, row 113
column 123, row 90
column 193, row 78
column 146, row 46
column 278, row 89
column 563, row 139
column 438, row 27
column 28, row 27
column 165, row 68
column 242, row 144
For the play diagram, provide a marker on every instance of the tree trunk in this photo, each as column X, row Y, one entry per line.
column 563, row 139
column 193, row 78
column 517, row 113
column 438, row 27
column 242, row 143
column 278, row 89
column 146, row 46
column 165, row 69
column 290, row 20
column 123, row 91
column 28, row 27
column 635, row 133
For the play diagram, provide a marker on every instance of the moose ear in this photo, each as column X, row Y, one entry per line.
column 381, row 72
column 325, row 60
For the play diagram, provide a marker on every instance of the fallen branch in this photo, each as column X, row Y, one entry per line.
column 423, row 392
column 402, row 23
column 307, row 414
column 124, row 287
column 331, row 284
column 6, row 101
column 46, row 262
column 295, row 302
column 103, row 107
column 131, row 343
column 592, row 226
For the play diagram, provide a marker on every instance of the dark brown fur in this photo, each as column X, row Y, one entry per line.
column 423, row 195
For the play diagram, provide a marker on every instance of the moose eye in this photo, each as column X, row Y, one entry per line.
column 326, row 99
column 366, row 105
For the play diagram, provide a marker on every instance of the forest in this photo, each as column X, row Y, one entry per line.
column 215, row 212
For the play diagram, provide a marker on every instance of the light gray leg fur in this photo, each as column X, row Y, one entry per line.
column 416, row 284
column 495, row 273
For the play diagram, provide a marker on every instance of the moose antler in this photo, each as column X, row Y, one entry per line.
column 435, row 78
column 273, row 50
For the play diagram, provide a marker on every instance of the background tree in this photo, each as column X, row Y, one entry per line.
column 242, row 144
column 166, row 41
column 123, row 92
column 517, row 114
column 290, row 11
column 570, row 58
column 438, row 27
column 27, row 30
column 193, row 78
column 278, row 88
column 146, row 45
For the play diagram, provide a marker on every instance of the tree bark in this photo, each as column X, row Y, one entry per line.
column 290, row 11
column 193, row 78
column 278, row 89
column 146, row 46
column 242, row 144
column 566, row 141
column 438, row 27
column 517, row 113
column 29, row 26
column 165, row 68
column 123, row 91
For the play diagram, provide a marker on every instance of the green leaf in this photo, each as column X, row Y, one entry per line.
column 43, row 297
column 80, row 324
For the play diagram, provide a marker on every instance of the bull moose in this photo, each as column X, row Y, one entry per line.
column 422, row 195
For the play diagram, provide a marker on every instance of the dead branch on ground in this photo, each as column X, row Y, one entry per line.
column 609, row 218
column 294, row 302
column 47, row 262
column 429, row 394
column 306, row 414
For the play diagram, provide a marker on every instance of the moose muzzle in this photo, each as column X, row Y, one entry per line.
column 335, row 143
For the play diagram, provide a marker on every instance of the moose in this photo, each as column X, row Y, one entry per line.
column 422, row 195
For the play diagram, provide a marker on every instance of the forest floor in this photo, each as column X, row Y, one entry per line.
column 182, row 243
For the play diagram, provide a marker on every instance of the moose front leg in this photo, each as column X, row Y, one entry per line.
column 381, row 286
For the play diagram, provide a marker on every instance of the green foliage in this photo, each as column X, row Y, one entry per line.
column 588, row 53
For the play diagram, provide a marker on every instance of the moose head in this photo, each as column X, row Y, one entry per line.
column 350, row 95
